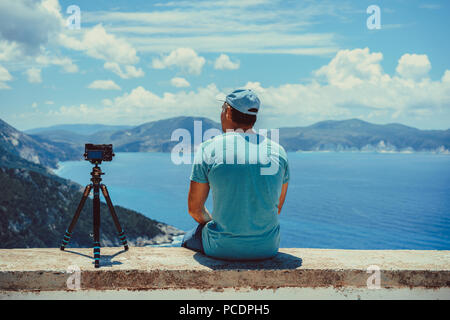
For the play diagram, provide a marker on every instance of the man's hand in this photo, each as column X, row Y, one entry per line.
column 198, row 193
column 284, row 188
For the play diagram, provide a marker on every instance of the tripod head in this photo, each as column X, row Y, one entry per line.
column 95, row 154
column 96, row 174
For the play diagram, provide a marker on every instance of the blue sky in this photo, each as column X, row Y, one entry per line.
column 137, row 61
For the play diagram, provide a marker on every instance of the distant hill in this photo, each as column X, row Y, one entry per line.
column 358, row 135
column 36, row 207
column 80, row 129
column 152, row 136
column 38, row 150
column 345, row 135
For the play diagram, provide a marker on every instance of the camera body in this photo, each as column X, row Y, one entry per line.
column 96, row 153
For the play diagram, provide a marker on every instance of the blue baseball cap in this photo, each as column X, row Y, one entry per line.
column 244, row 100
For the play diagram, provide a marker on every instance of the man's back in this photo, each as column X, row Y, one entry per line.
column 245, row 172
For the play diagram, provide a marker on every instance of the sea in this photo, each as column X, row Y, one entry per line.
column 335, row 200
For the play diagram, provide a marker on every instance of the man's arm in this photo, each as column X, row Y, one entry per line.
column 198, row 193
column 284, row 188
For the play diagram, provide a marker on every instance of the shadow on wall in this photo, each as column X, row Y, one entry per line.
column 280, row 261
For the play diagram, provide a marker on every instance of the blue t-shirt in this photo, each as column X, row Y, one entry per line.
column 245, row 172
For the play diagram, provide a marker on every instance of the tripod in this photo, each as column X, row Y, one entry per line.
column 96, row 185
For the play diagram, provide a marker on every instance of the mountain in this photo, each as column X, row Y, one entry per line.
column 152, row 136
column 358, row 135
column 10, row 160
column 38, row 150
column 80, row 129
column 345, row 135
column 36, row 207
column 156, row 135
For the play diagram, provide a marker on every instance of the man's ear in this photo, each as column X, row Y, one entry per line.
column 228, row 113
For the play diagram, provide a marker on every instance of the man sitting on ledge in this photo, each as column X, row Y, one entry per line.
column 248, row 175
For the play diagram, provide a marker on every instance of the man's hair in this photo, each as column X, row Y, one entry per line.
column 243, row 118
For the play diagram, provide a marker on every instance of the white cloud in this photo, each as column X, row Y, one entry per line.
column 107, row 102
column 352, row 67
column 179, row 82
column 29, row 24
column 127, row 73
column 352, row 84
column 26, row 29
column 185, row 58
column 141, row 105
column 64, row 62
column 223, row 62
column 120, row 56
column 99, row 44
column 228, row 26
column 446, row 76
column 104, row 85
column 53, row 7
column 34, row 75
column 9, row 51
column 255, row 86
column 413, row 66
column 255, row 42
column 4, row 76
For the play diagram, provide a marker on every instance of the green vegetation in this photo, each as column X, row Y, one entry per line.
column 37, row 206
column 35, row 210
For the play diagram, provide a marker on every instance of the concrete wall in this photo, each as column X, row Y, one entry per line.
column 178, row 273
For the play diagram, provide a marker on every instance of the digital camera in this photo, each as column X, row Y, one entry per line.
column 96, row 153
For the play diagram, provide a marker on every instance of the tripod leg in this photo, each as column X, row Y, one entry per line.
column 68, row 233
column 96, row 207
column 122, row 236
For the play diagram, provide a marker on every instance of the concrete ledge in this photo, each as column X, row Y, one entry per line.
column 148, row 268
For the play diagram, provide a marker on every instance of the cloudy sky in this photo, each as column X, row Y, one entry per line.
column 132, row 62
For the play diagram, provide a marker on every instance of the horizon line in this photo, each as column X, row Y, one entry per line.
column 163, row 119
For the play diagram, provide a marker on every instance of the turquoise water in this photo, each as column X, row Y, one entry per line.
column 335, row 200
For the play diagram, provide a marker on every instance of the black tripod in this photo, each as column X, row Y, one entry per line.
column 96, row 179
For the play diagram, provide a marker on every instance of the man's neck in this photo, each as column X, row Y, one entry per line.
column 240, row 129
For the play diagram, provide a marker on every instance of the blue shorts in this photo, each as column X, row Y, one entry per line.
column 193, row 239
